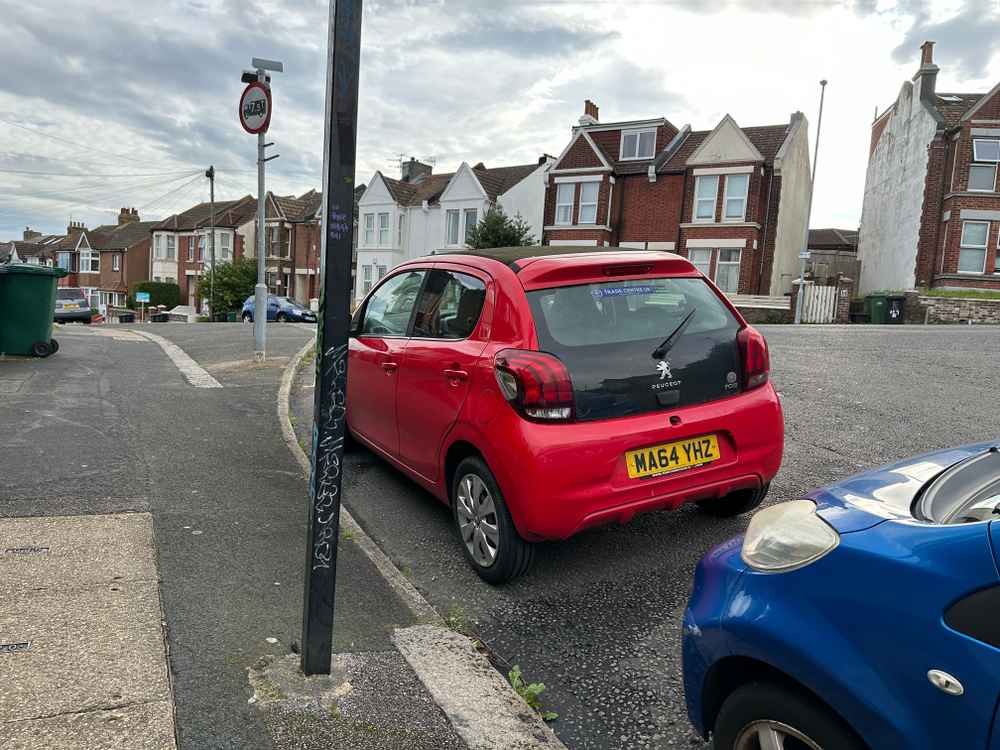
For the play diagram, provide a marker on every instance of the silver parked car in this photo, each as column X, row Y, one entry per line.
column 71, row 305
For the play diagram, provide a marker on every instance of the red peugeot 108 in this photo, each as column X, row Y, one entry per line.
column 542, row 390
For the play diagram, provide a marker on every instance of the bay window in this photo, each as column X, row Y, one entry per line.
column 171, row 247
column 736, row 197
column 727, row 270
column 565, row 192
column 90, row 261
column 972, row 253
column 706, row 190
column 701, row 258
column 588, row 202
column 224, row 250
column 64, row 261
column 367, row 277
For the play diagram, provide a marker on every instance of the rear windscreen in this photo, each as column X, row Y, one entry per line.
column 642, row 345
column 69, row 294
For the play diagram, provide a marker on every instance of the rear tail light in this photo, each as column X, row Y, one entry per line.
column 756, row 360
column 535, row 383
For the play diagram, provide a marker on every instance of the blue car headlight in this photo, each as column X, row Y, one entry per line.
column 787, row 536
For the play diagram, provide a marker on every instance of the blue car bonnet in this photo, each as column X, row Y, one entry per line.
column 868, row 499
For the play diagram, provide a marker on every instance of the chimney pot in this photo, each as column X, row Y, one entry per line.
column 590, row 113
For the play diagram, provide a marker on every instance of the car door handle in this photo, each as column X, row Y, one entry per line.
column 390, row 367
column 456, row 374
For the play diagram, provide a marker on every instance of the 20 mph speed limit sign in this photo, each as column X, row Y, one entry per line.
column 255, row 108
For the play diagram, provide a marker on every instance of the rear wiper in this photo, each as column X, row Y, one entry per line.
column 661, row 351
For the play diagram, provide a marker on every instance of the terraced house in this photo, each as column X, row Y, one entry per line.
column 181, row 249
column 734, row 200
column 931, row 214
column 422, row 211
column 292, row 245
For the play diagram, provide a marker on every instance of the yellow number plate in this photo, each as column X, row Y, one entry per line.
column 72, row 307
column 663, row 459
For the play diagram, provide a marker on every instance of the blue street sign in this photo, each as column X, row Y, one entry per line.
column 142, row 296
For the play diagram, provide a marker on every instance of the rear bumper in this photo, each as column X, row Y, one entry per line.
column 560, row 479
column 73, row 316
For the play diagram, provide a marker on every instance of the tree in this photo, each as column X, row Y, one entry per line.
column 234, row 282
column 497, row 229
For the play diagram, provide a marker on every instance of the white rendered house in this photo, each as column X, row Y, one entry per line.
column 422, row 212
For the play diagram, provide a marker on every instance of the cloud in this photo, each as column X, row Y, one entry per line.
column 966, row 42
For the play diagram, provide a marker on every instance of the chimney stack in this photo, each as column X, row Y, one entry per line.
column 414, row 171
column 590, row 113
column 926, row 77
column 75, row 227
column 127, row 216
column 30, row 234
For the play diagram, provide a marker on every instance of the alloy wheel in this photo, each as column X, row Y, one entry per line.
column 478, row 524
column 773, row 735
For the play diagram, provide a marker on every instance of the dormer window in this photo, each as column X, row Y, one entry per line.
column 983, row 176
column 638, row 144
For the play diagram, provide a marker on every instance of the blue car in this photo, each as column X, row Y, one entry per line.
column 866, row 615
column 280, row 309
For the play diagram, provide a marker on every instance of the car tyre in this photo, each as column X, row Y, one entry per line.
column 735, row 503
column 484, row 526
column 281, row 318
column 247, row 318
column 767, row 707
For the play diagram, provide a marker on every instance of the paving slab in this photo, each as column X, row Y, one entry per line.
column 144, row 726
column 82, row 657
column 61, row 551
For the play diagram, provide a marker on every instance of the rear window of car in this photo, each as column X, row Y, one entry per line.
column 619, row 311
column 69, row 294
column 633, row 346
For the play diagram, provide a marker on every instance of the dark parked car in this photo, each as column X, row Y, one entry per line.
column 280, row 309
column 72, row 305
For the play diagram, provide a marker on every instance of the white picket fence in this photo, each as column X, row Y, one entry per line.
column 819, row 303
column 759, row 300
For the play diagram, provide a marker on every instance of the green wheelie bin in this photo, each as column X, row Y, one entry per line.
column 27, row 308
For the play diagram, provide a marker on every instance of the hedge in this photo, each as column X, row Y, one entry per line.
column 160, row 293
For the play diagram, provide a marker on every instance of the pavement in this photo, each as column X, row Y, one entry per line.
column 175, row 424
column 598, row 617
column 110, row 425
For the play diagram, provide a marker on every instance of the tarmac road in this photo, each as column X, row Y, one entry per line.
column 598, row 618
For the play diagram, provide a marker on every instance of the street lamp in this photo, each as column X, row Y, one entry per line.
column 804, row 253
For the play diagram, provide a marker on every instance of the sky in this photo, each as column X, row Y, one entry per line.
column 113, row 104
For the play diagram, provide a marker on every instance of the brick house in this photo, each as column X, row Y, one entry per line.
column 733, row 200
column 293, row 241
column 124, row 256
column 181, row 246
column 931, row 213
column 75, row 253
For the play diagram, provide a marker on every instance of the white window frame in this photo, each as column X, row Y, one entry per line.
column 589, row 205
column 705, row 259
column 698, row 201
column 171, row 247
column 382, row 271
column 635, row 155
column 384, row 228
column 991, row 189
column 963, row 245
column 726, row 197
column 719, row 263
column 466, row 213
column 158, row 253
column 452, row 221
column 975, row 150
column 401, row 217
column 225, row 251
column 88, row 258
column 68, row 257
column 369, row 230
column 116, row 262
column 366, row 277
column 564, row 187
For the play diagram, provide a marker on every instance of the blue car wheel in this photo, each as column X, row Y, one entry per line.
column 768, row 716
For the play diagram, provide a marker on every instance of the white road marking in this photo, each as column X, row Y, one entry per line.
column 195, row 373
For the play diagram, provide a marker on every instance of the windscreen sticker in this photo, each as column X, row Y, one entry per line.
column 622, row 291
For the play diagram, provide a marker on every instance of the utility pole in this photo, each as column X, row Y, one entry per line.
column 804, row 253
column 330, row 405
column 255, row 113
column 210, row 174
